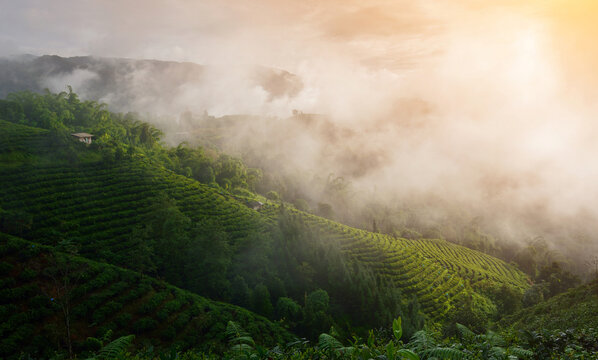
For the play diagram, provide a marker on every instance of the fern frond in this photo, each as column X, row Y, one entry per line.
column 421, row 341
column 465, row 332
column 243, row 340
column 445, row 353
column 327, row 342
column 497, row 352
column 521, row 353
column 407, row 354
column 346, row 350
column 239, row 339
column 241, row 348
column 234, row 330
column 115, row 348
column 494, row 339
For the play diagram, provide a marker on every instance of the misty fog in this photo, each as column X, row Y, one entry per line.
column 488, row 110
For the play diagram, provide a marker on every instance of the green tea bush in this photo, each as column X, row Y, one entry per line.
column 145, row 324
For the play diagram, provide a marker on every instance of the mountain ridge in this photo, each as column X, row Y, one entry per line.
column 135, row 84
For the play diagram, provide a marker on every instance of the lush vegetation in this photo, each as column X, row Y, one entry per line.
column 422, row 345
column 77, row 215
column 442, row 276
column 576, row 308
column 53, row 299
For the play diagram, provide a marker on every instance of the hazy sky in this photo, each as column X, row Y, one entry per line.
column 379, row 34
column 275, row 33
column 208, row 31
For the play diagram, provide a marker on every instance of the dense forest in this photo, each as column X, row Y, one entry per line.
column 128, row 244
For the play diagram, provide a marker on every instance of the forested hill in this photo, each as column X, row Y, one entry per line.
column 40, row 283
column 189, row 216
column 132, row 84
column 576, row 308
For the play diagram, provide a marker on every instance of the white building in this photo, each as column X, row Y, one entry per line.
column 83, row 137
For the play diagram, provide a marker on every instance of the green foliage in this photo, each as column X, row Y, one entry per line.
column 330, row 347
column 438, row 273
column 535, row 294
column 397, row 330
column 328, row 343
column 412, row 318
column 471, row 312
column 316, row 317
column 228, row 244
column 575, row 308
column 445, row 353
column 240, row 293
column 557, row 278
column 260, row 301
column 133, row 210
column 273, row 195
column 104, row 298
column 325, row 210
column 115, row 348
column 301, row 204
column 288, row 309
column 506, row 298
column 92, row 344
column 11, row 111
column 238, row 339
column 490, row 345
column 568, row 344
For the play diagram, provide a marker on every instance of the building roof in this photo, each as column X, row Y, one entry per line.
column 82, row 135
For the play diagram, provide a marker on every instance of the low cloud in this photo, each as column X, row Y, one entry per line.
column 482, row 107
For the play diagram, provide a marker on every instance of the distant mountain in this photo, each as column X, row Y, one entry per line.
column 141, row 85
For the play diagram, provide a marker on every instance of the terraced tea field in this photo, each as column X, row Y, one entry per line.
column 438, row 272
column 101, row 205
column 106, row 297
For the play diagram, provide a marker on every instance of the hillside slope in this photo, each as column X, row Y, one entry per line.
column 99, row 204
column 574, row 309
column 36, row 283
column 131, row 84
column 439, row 273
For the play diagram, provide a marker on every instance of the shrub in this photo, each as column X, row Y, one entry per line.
column 168, row 334
column 5, row 268
column 28, row 274
column 288, row 309
column 181, row 321
column 301, row 204
column 273, row 195
column 535, row 294
column 92, row 344
column 123, row 319
column 145, row 324
column 105, row 311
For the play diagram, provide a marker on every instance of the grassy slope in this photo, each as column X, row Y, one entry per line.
column 576, row 308
column 15, row 137
column 107, row 297
column 438, row 272
column 101, row 203
column 17, row 141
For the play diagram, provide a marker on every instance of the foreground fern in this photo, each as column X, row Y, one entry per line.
column 490, row 345
column 114, row 349
column 240, row 341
